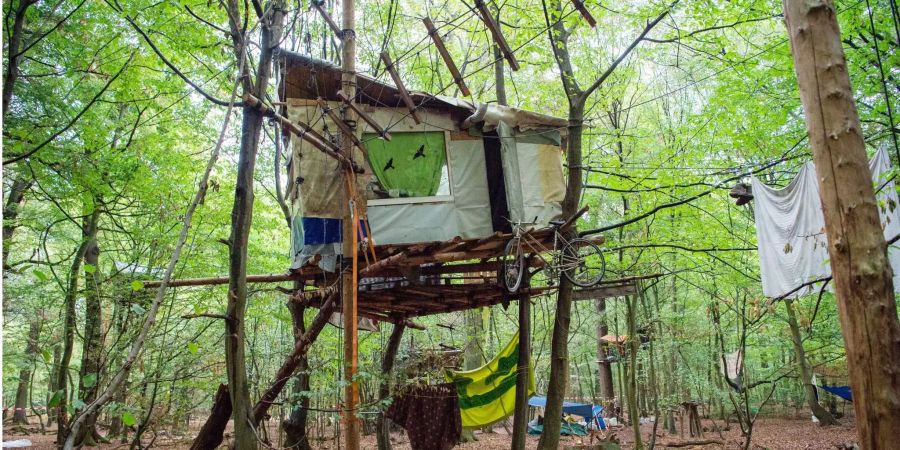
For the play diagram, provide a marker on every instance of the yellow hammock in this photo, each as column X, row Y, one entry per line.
column 488, row 394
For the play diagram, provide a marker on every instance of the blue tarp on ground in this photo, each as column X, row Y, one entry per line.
column 566, row 429
column 579, row 409
column 841, row 391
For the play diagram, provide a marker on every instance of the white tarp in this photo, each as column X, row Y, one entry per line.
column 790, row 228
column 467, row 213
column 533, row 174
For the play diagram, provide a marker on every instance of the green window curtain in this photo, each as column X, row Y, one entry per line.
column 410, row 164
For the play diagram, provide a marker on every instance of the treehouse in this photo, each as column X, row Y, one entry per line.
column 447, row 169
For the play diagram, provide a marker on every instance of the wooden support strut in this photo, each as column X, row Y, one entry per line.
column 365, row 116
column 404, row 94
column 579, row 5
column 445, row 55
column 340, row 123
column 334, row 28
column 488, row 20
column 303, row 131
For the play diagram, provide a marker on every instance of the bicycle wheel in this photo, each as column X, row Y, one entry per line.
column 513, row 266
column 582, row 262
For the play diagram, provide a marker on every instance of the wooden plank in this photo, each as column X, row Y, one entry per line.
column 445, row 55
column 492, row 25
column 404, row 94
column 601, row 291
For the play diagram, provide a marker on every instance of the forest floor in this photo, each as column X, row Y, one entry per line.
column 769, row 433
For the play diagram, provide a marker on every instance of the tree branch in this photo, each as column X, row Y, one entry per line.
column 75, row 119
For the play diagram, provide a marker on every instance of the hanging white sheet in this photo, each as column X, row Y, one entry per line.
column 790, row 228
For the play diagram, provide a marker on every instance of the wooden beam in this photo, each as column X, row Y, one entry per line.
column 365, row 116
column 404, row 94
column 445, row 55
column 302, row 130
column 340, row 123
column 334, row 28
column 579, row 5
column 601, row 291
column 492, row 25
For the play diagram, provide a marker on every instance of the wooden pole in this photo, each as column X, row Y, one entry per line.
column 404, row 94
column 862, row 276
column 520, row 417
column 488, row 20
column 348, row 274
column 445, row 55
column 579, row 5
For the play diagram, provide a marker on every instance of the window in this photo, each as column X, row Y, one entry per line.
column 411, row 165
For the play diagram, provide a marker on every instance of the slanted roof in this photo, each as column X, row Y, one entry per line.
column 311, row 78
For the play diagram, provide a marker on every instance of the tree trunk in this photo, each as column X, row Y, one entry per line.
column 10, row 211
column 15, row 44
column 856, row 245
column 631, row 369
column 20, row 414
column 559, row 346
column 295, row 425
column 825, row 418
column 604, row 368
column 520, row 420
column 383, row 426
column 88, row 233
column 210, row 435
column 92, row 350
column 473, row 355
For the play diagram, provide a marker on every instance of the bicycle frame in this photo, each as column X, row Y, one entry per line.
column 537, row 248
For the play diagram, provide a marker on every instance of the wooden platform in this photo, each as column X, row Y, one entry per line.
column 412, row 280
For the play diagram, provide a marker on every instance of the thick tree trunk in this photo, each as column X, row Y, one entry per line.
column 14, row 199
column 20, row 415
column 383, row 426
column 15, row 45
column 473, row 354
column 856, row 245
column 92, row 350
column 825, row 418
column 295, row 425
column 559, row 350
column 520, row 419
column 88, row 233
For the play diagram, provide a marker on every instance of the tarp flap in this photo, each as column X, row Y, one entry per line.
column 533, row 173
column 488, row 394
column 843, row 392
column 410, row 164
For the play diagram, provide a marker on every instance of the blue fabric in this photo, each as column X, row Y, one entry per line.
column 317, row 230
column 841, row 391
column 598, row 410
column 578, row 409
column 565, row 429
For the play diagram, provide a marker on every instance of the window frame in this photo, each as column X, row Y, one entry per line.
column 421, row 200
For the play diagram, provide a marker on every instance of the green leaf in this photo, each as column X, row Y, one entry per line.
column 90, row 268
column 56, row 399
column 41, row 276
column 128, row 419
column 193, row 347
column 89, row 380
column 138, row 309
column 78, row 404
column 137, row 285
column 197, row 309
column 46, row 355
